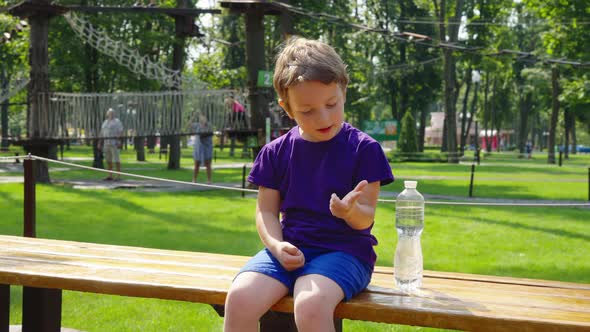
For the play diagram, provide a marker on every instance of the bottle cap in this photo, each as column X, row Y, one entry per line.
column 410, row 184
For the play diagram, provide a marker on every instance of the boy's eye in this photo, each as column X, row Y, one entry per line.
column 331, row 105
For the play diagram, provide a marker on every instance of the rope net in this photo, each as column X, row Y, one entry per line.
column 126, row 56
column 80, row 115
column 14, row 87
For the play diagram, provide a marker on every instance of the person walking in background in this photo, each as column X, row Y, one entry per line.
column 111, row 131
column 203, row 147
column 529, row 149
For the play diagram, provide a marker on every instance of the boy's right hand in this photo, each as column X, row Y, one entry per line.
column 290, row 257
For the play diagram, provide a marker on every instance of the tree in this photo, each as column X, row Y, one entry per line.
column 408, row 140
column 449, row 73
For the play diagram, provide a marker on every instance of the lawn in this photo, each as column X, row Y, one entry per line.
column 546, row 243
column 500, row 175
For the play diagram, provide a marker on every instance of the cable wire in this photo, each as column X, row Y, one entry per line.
column 33, row 157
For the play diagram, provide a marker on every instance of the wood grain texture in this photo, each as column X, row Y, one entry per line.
column 447, row 300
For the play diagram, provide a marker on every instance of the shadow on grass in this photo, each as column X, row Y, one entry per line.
column 198, row 229
column 516, row 225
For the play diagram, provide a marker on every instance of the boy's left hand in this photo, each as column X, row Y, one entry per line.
column 341, row 208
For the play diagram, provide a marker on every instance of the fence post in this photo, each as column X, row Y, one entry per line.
column 588, row 184
column 471, row 182
column 244, row 180
column 29, row 203
column 560, row 156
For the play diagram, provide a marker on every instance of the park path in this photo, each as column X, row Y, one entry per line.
column 159, row 186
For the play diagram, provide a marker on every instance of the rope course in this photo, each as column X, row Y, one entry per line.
column 126, row 56
column 80, row 115
column 29, row 156
column 14, row 87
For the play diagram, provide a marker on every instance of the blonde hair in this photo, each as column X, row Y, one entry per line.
column 302, row 60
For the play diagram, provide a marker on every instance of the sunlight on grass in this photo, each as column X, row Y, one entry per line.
column 542, row 243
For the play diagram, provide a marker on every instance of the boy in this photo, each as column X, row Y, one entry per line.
column 323, row 176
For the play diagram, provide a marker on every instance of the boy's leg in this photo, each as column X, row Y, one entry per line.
column 316, row 298
column 249, row 297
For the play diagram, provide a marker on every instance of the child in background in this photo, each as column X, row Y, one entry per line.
column 323, row 177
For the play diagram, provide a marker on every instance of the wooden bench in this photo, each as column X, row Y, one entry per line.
column 448, row 300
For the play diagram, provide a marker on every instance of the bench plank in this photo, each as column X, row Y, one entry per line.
column 447, row 300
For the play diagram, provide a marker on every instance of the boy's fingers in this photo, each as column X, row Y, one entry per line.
column 353, row 197
column 291, row 249
column 360, row 186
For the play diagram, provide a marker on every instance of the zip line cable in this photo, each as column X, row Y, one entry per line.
column 414, row 38
column 33, row 157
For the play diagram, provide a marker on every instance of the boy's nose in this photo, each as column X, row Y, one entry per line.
column 324, row 116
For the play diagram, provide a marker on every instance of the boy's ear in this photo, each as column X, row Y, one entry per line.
column 285, row 107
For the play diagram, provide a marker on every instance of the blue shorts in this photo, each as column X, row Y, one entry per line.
column 350, row 273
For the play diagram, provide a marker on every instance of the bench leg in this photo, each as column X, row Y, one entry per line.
column 278, row 321
column 4, row 308
column 285, row 322
column 41, row 309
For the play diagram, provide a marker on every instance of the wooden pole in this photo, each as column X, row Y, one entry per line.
column 255, row 62
column 4, row 308
column 244, row 180
column 38, row 89
column 471, row 181
column 29, row 202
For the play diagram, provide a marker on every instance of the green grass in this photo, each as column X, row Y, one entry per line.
column 501, row 175
column 543, row 243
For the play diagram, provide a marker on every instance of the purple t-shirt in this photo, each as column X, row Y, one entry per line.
column 307, row 173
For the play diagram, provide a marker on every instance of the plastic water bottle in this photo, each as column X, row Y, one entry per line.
column 409, row 222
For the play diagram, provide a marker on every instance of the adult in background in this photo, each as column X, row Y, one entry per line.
column 203, row 147
column 111, row 130
column 529, row 149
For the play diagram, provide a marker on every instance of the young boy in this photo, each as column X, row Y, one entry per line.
column 323, row 176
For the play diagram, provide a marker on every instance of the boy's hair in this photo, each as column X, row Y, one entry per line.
column 303, row 60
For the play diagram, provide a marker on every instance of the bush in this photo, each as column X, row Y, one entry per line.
column 408, row 138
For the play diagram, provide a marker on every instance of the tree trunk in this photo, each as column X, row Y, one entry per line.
column 4, row 79
column 422, row 129
column 472, row 112
column 463, row 135
column 449, row 77
column 554, row 114
column 444, row 143
column 177, row 65
column 574, row 138
column 566, row 127
column 524, row 109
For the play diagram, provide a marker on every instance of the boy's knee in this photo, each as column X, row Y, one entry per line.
column 311, row 308
column 241, row 303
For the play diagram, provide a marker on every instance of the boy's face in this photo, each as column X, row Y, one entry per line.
column 317, row 108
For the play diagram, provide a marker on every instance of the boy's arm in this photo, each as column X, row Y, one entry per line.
column 357, row 208
column 267, row 217
column 270, row 231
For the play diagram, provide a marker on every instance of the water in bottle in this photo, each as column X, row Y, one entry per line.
column 409, row 222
